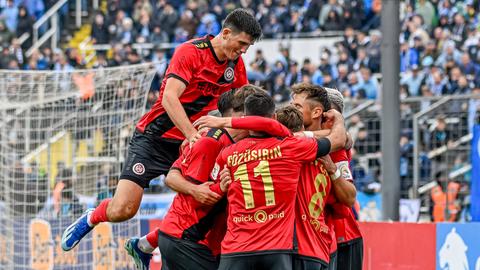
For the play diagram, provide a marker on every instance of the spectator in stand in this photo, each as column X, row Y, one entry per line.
column 413, row 79
column 25, row 25
column 144, row 29
column 10, row 15
column 5, row 35
column 333, row 22
column 99, row 30
column 208, row 25
column 332, row 5
column 168, row 19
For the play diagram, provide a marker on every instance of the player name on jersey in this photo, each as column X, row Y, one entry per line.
column 254, row 154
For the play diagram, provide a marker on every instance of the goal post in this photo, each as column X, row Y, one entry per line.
column 63, row 139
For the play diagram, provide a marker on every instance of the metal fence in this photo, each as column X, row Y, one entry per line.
column 435, row 147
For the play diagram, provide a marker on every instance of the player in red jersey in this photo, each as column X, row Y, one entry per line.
column 318, row 180
column 193, row 225
column 261, row 198
column 347, row 231
column 199, row 72
column 314, row 238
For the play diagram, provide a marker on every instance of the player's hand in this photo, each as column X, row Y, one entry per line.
column 225, row 179
column 204, row 195
column 194, row 138
column 299, row 134
column 210, row 121
column 329, row 165
column 333, row 115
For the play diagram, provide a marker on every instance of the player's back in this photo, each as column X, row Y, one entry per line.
column 313, row 234
column 186, row 217
column 262, row 194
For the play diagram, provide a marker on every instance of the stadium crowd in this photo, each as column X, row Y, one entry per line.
column 439, row 41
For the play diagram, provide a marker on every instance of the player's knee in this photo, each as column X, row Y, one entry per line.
column 121, row 211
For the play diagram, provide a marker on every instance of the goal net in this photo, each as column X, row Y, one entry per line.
column 63, row 138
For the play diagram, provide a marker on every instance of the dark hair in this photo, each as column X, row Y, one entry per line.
column 238, row 101
column 314, row 93
column 240, row 20
column 224, row 102
column 260, row 104
column 290, row 117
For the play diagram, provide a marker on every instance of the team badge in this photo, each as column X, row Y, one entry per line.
column 229, row 74
column 138, row 169
column 215, row 171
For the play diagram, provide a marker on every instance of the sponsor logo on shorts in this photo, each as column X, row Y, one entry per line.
column 228, row 74
column 138, row 168
column 259, row 217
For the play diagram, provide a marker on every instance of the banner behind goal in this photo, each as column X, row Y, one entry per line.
column 63, row 138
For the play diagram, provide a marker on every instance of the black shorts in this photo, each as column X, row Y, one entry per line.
column 304, row 263
column 350, row 255
column 149, row 156
column 332, row 265
column 184, row 254
column 275, row 261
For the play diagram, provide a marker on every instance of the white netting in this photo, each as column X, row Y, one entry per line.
column 63, row 138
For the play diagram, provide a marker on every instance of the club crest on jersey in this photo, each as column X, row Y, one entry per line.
column 229, row 74
column 138, row 168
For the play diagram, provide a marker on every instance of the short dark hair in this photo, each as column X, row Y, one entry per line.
column 239, row 97
column 260, row 104
column 290, row 117
column 224, row 102
column 314, row 93
column 240, row 20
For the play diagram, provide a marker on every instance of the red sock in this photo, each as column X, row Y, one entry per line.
column 100, row 213
column 152, row 238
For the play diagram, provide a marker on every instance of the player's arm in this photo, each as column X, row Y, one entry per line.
column 218, row 175
column 254, row 123
column 318, row 134
column 200, row 162
column 341, row 177
column 179, row 74
column 171, row 102
column 200, row 192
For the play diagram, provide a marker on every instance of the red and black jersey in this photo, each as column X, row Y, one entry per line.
column 313, row 234
column 346, row 226
column 261, row 197
column 206, row 78
column 187, row 218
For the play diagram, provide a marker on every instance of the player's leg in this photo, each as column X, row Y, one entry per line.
column 121, row 207
column 184, row 254
column 236, row 263
column 147, row 158
column 356, row 255
column 274, row 262
column 300, row 263
column 334, row 258
column 141, row 249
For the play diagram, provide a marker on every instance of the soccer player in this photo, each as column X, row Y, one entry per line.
column 317, row 182
column 199, row 72
column 186, row 229
column 347, row 231
column 261, row 198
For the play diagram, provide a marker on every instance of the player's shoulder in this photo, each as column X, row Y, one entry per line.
column 201, row 43
column 293, row 140
column 217, row 134
column 340, row 155
column 192, row 47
